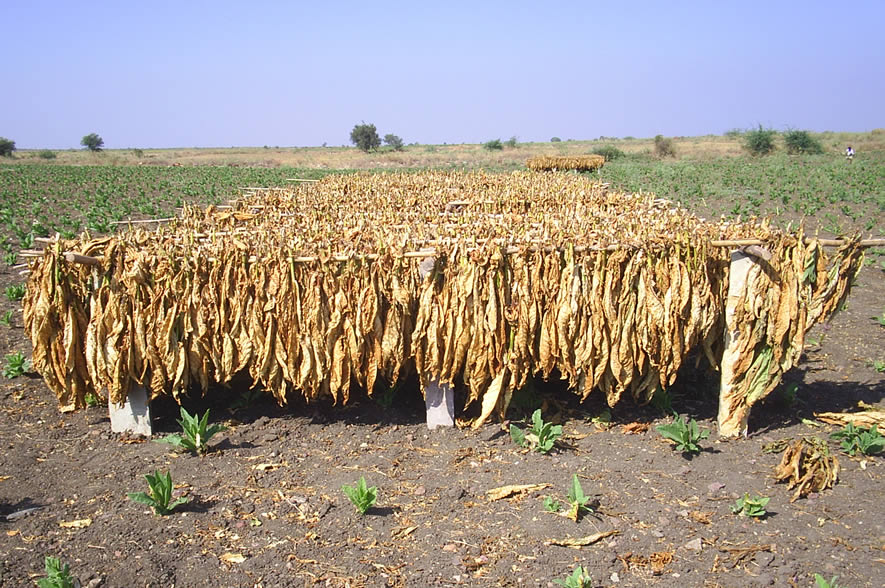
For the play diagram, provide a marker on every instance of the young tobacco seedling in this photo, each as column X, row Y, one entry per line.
column 751, row 507
column 578, row 501
column 58, row 575
column 868, row 441
column 160, row 494
column 686, row 435
column 540, row 437
column 823, row 583
column 551, row 504
column 16, row 292
column 6, row 319
column 362, row 497
column 196, row 432
column 580, row 578
column 16, row 365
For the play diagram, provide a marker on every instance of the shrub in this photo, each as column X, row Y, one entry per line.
column 493, row 145
column 365, row 137
column 393, row 141
column 664, row 147
column 802, row 142
column 6, row 147
column 511, row 142
column 46, row 154
column 609, row 152
column 733, row 133
column 555, row 140
column 92, row 142
column 759, row 141
column 138, row 153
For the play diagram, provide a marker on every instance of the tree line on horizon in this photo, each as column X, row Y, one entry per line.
column 758, row 141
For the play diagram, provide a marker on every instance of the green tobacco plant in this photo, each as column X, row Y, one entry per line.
column 16, row 365
column 823, row 583
column 197, row 432
column 751, row 507
column 160, row 494
column 551, row 504
column 578, row 501
column 362, row 497
column 580, row 578
column 10, row 258
column 15, row 292
column 58, row 575
column 867, row 441
column 541, row 436
column 686, row 435
column 6, row 319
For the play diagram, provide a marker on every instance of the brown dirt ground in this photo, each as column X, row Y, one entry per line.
column 266, row 507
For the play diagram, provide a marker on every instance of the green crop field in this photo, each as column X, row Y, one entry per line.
column 710, row 176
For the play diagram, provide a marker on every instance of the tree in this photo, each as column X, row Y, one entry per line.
column 92, row 142
column 802, row 142
column 664, row 147
column 365, row 137
column 7, row 146
column 393, row 141
column 759, row 141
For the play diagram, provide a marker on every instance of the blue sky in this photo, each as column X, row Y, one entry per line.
column 203, row 74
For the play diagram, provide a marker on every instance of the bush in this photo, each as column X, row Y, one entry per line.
column 555, row 140
column 7, row 146
column 393, row 141
column 802, row 142
column 511, row 142
column 138, row 153
column 734, row 133
column 759, row 141
column 609, row 152
column 493, row 145
column 664, row 147
column 46, row 154
column 92, row 142
column 365, row 137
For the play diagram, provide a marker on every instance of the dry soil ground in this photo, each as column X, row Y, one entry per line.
column 266, row 507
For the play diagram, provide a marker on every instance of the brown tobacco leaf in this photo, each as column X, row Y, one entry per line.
column 511, row 490
column 635, row 428
column 808, row 467
column 579, row 542
column 317, row 287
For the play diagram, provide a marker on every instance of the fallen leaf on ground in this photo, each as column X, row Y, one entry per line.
column 582, row 541
column 859, row 419
column 232, row 558
column 701, row 517
column 505, row 491
column 263, row 467
column 807, row 466
column 635, row 428
column 78, row 524
column 403, row 532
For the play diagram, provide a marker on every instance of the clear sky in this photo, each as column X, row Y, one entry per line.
column 240, row 73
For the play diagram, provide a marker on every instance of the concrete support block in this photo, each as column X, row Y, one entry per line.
column 440, row 403
column 135, row 414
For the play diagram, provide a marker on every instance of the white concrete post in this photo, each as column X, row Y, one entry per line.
column 439, row 399
column 134, row 416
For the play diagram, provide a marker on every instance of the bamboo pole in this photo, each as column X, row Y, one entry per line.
column 74, row 257
column 144, row 221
